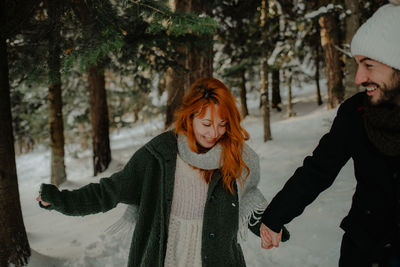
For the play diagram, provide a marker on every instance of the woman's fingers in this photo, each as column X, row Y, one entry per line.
column 44, row 203
column 269, row 238
column 266, row 240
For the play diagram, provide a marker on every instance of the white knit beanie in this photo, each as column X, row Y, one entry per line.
column 379, row 37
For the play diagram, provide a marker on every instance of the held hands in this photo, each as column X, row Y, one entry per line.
column 44, row 203
column 269, row 238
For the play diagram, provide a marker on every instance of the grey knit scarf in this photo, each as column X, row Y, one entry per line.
column 205, row 161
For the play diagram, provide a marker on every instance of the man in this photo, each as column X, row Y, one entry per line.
column 366, row 129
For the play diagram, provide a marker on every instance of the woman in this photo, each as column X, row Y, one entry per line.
column 195, row 187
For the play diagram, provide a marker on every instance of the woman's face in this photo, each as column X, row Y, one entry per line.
column 208, row 131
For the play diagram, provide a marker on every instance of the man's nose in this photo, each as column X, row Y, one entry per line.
column 361, row 76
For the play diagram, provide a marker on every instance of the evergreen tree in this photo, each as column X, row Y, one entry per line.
column 239, row 42
column 89, row 13
column 14, row 246
column 132, row 39
column 196, row 57
column 56, row 124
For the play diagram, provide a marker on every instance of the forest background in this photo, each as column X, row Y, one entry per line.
column 72, row 72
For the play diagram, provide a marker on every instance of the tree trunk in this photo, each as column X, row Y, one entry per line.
column 352, row 24
column 83, row 136
column 56, row 124
column 265, row 100
column 14, row 246
column 99, row 119
column 276, row 94
column 290, row 112
column 198, row 62
column 329, row 42
column 175, row 89
column 317, row 58
column 243, row 98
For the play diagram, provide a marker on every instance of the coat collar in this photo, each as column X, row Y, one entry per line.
column 164, row 145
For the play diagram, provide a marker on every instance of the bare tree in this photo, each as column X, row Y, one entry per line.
column 316, row 77
column 352, row 24
column 243, row 98
column 276, row 94
column 289, row 78
column 264, row 78
column 330, row 41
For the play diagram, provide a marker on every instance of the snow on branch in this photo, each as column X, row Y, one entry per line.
column 323, row 10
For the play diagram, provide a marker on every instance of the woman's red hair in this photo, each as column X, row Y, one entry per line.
column 208, row 92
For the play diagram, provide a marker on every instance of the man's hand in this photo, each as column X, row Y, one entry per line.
column 269, row 238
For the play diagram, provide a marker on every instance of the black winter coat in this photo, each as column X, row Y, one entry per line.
column 374, row 218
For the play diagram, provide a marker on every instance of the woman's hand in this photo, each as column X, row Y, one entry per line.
column 44, row 203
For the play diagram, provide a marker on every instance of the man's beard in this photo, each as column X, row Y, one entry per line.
column 390, row 94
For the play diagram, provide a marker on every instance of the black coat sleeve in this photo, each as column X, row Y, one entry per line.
column 317, row 173
column 124, row 186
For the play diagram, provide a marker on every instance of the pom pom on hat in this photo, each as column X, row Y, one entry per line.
column 379, row 37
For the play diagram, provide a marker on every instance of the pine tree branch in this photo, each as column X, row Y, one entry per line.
column 151, row 7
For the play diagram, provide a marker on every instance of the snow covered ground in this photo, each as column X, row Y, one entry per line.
column 58, row 240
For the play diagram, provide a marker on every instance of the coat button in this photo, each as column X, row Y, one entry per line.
column 212, row 235
column 212, row 198
column 368, row 212
column 395, row 175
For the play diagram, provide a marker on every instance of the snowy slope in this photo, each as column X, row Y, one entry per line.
column 58, row 240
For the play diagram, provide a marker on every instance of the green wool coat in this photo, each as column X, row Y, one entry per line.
column 147, row 181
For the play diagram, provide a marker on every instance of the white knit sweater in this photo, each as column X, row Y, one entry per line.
column 186, row 219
